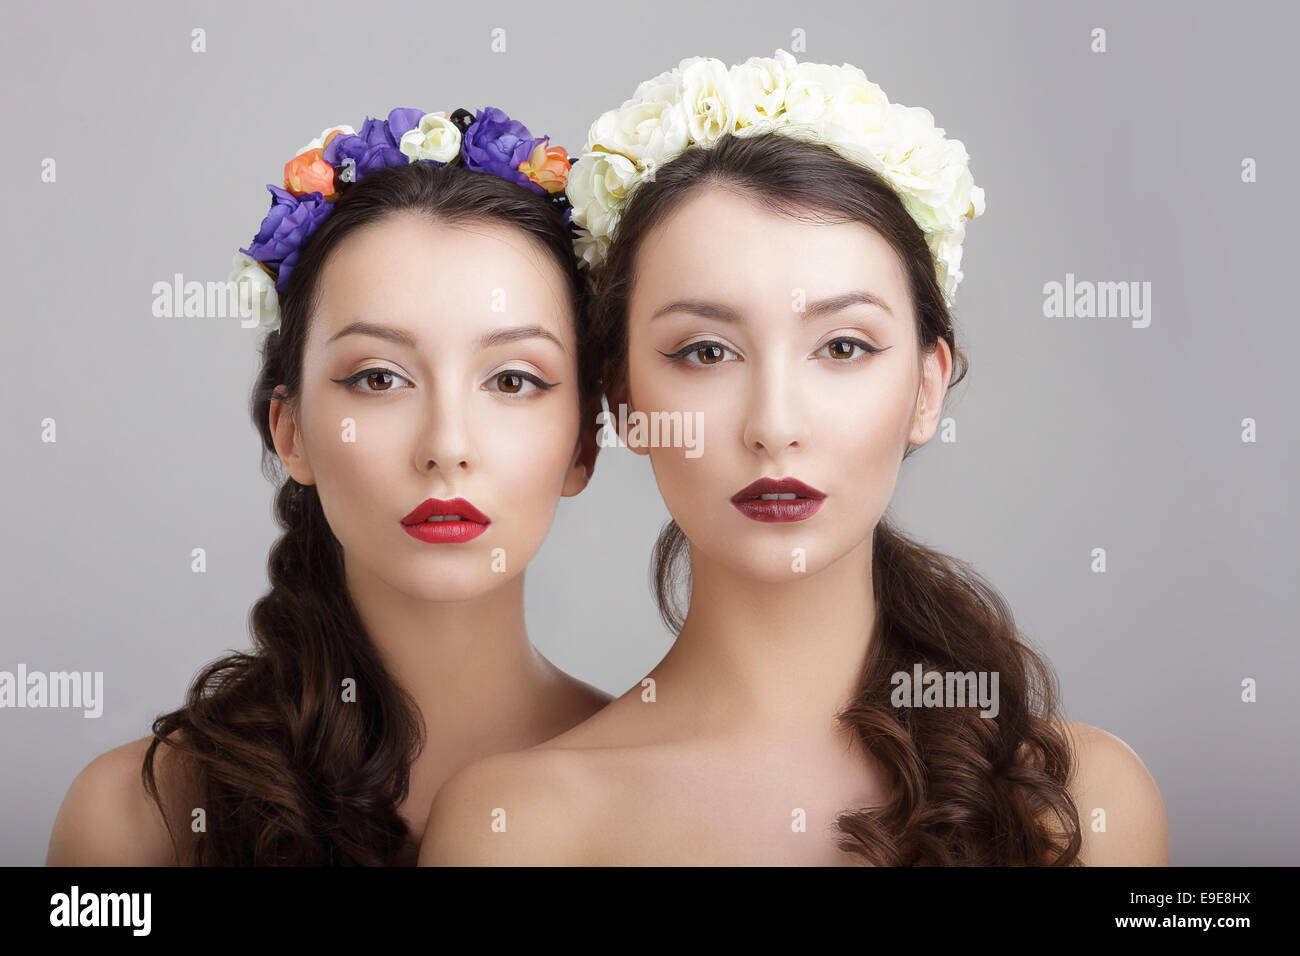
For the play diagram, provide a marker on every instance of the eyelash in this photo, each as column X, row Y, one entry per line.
column 866, row 347
column 356, row 377
column 527, row 376
column 352, row 380
column 680, row 354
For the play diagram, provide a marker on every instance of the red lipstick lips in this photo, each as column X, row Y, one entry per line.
column 452, row 521
column 789, row 499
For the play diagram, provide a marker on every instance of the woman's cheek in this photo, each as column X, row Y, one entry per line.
column 863, row 435
column 530, row 449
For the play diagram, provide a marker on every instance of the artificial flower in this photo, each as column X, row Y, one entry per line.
column 496, row 144
column 548, row 167
column 435, row 137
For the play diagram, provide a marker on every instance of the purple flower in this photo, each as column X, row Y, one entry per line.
column 284, row 230
column 367, row 157
column 389, row 132
column 494, row 143
column 375, row 132
column 376, row 145
column 401, row 121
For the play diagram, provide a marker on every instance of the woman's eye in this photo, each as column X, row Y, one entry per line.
column 374, row 380
column 843, row 350
column 517, row 383
column 701, row 353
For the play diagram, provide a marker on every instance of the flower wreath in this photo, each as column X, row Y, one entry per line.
column 702, row 99
column 489, row 142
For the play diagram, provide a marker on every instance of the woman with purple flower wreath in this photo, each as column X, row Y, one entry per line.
column 421, row 401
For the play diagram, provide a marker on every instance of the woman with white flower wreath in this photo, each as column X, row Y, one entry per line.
column 420, row 404
column 774, row 248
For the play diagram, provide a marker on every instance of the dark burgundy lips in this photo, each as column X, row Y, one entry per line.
column 749, row 501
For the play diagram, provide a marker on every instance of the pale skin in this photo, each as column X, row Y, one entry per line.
column 741, row 736
column 452, row 411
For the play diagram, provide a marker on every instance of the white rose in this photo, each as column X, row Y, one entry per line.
column 856, row 88
column 591, row 250
column 858, row 114
column 812, row 89
column 759, row 86
column 962, row 199
column 319, row 141
column 650, row 127
column 858, row 130
column 435, row 137
column 707, row 98
column 945, row 247
column 941, row 201
column 664, row 88
column 855, row 148
column 253, row 285
column 599, row 184
column 929, row 170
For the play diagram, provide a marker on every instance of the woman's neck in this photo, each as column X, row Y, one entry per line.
column 783, row 656
column 468, row 665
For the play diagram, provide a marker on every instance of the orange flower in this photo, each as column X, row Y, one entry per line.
column 309, row 173
column 548, row 167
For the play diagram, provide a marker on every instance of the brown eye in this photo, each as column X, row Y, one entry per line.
column 841, row 349
column 701, row 353
column 509, row 382
column 373, row 380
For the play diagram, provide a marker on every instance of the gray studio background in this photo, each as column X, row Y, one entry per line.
column 1072, row 433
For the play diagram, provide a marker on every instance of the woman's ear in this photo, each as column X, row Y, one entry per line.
column 580, row 466
column 583, row 463
column 288, row 439
column 936, row 372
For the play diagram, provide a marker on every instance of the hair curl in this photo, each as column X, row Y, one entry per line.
column 966, row 789
column 286, row 772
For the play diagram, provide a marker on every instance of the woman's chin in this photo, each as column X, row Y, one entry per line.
column 786, row 565
column 449, row 584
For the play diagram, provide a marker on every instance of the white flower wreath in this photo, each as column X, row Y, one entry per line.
column 702, row 99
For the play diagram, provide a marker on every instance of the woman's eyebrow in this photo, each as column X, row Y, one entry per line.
column 837, row 303
column 402, row 337
column 514, row 334
column 388, row 332
column 813, row 310
column 706, row 310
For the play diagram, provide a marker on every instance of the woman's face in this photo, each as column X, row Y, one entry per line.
column 756, row 324
column 440, row 364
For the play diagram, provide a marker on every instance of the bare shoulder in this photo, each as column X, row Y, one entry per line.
column 107, row 818
column 527, row 808
column 1112, row 788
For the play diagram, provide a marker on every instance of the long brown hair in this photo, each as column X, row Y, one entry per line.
column 285, row 771
column 967, row 789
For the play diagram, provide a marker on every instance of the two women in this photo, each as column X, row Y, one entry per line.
column 773, row 249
